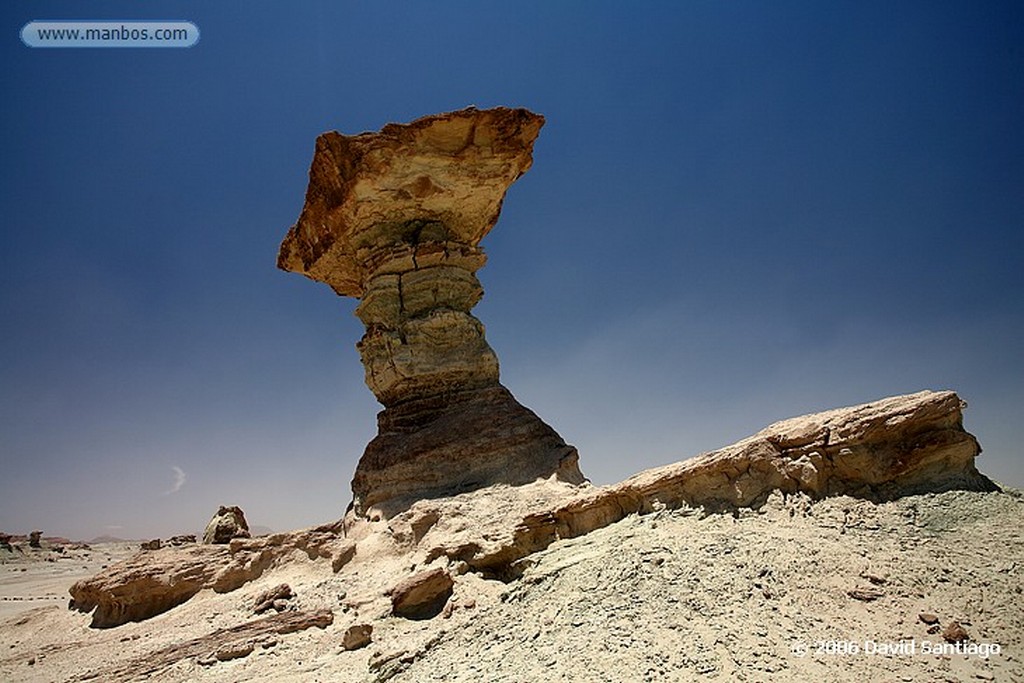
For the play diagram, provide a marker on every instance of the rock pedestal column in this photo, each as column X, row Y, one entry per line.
column 395, row 219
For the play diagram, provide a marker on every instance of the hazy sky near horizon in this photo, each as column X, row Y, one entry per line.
column 738, row 212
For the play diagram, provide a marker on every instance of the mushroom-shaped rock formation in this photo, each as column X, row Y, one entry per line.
column 395, row 219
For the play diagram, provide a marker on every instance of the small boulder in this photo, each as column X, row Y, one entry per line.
column 35, row 539
column 234, row 651
column 357, row 636
column 955, row 633
column 928, row 618
column 422, row 595
column 276, row 598
column 228, row 523
column 151, row 545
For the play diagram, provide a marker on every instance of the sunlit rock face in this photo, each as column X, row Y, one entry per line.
column 395, row 219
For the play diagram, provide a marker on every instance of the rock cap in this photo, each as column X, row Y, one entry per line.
column 443, row 175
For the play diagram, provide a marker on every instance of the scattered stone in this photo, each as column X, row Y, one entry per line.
column 357, row 636
column 234, row 651
column 275, row 598
column 864, row 595
column 228, row 523
column 955, row 633
column 151, row 545
column 395, row 219
column 452, row 605
column 182, row 539
column 423, row 595
column 928, row 618
column 34, row 539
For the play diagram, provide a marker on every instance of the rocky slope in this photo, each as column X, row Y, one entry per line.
column 781, row 593
column 753, row 562
column 784, row 593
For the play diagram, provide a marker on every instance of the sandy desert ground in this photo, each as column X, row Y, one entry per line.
column 31, row 577
column 832, row 590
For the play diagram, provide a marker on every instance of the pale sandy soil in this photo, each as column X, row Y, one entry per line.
column 31, row 578
column 669, row 596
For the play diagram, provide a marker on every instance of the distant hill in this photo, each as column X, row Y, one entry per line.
column 108, row 539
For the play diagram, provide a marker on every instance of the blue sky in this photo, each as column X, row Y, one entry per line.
column 738, row 212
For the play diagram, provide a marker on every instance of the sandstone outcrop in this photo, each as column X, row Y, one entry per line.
column 881, row 450
column 153, row 582
column 218, row 646
column 227, row 524
column 395, row 219
column 422, row 595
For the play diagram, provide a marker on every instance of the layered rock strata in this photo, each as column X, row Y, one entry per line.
column 221, row 645
column 395, row 219
column 881, row 450
column 898, row 446
column 151, row 583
